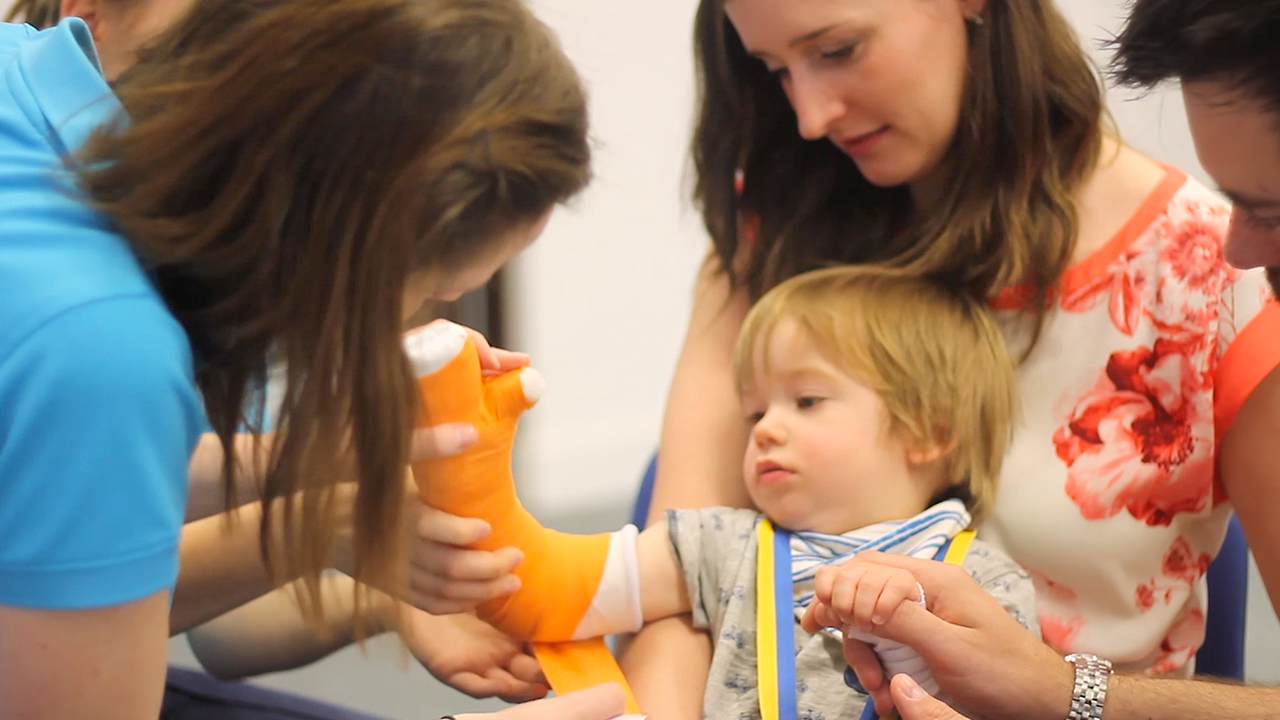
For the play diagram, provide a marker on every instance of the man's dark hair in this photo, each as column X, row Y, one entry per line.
column 1232, row 41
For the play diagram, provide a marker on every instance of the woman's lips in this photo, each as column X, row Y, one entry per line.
column 863, row 145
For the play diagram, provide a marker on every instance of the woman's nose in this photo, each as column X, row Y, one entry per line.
column 816, row 106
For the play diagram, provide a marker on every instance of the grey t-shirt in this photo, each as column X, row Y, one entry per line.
column 716, row 548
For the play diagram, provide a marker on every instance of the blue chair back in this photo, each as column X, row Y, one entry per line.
column 644, row 497
column 1222, row 654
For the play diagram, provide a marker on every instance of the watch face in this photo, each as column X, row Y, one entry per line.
column 1086, row 659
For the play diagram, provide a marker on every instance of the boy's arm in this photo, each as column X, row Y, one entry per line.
column 663, row 590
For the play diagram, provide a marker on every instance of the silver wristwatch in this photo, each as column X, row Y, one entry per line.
column 1090, row 690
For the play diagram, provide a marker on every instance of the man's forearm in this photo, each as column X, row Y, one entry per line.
column 1139, row 698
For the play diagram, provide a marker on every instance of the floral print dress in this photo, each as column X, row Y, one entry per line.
column 1109, row 496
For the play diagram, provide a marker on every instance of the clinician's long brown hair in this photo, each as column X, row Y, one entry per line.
column 286, row 164
column 1029, row 134
column 41, row 13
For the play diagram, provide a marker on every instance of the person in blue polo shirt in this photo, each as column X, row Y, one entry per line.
column 277, row 180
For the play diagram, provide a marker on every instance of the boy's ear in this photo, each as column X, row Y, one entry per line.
column 924, row 453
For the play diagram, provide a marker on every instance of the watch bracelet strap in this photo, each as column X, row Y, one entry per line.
column 1089, row 692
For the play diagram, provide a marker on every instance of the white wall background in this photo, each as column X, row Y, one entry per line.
column 601, row 301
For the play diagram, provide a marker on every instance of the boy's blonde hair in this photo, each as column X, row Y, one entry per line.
column 935, row 357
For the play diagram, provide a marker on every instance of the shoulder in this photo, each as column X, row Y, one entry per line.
column 723, row 521
column 98, row 417
column 12, row 36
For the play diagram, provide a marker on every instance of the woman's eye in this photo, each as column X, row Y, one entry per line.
column 839, row 53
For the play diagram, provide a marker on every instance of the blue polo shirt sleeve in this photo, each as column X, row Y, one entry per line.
column 99, row 415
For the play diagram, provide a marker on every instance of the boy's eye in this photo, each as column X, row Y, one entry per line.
column 753, row 418
column 807, row 401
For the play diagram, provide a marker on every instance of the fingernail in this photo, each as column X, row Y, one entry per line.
column 510, row 585
column 878, row 619
column 911, row 688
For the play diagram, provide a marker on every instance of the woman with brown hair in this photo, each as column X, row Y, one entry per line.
column 272, row 181
column 966, row 140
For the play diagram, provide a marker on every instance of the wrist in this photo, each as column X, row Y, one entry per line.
column 1052, row 684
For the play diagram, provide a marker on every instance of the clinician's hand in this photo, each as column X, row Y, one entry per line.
column 598, row 703
column 445, row 576
column 472, row 657
column 493, row 361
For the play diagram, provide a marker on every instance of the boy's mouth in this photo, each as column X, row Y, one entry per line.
column 769, row 472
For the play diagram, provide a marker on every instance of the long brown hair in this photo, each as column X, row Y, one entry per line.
column 285, row 164
column 1029, row 134
column 41, row 13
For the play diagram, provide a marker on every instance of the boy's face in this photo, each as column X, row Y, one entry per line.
column 821, row 455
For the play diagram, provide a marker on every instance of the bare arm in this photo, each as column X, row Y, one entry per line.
column 1250, row 472
column 663, row 591
column 703, row 435
column 269, row 634
column 700, row 465
column 206, row 495
column 222, row 567
column 104, row 663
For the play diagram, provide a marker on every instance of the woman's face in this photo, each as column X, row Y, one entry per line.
column 882, row 79
column 121, row 27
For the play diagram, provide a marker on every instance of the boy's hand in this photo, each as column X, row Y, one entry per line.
column 859, row 596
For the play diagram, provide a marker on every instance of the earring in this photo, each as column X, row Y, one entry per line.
column 976, row 19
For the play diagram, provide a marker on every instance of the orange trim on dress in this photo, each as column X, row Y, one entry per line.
column 1081, row 273
column 1250, row 357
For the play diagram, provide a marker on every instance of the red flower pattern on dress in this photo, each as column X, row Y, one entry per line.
column 1183, row 567
column 1136, row 441
column 1182, row 562
column 1059, row 629
column 1184, row 639
column 1124, row 286
column 1174, row 277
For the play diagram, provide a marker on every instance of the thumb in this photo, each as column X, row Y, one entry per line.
column 914, row 703
column 514, row 392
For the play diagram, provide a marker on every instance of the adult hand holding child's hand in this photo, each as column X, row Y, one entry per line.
column 982, row 659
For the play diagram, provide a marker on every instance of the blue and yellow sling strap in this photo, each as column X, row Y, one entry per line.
column 776, row 621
